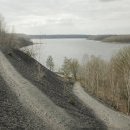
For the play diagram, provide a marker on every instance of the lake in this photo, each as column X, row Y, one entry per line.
column 72, row 48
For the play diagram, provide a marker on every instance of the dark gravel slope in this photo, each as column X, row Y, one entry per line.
column 13, row 116
column 57, row 89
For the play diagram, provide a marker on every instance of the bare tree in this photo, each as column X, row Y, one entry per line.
column 70, row 67
column 121, row 66
column 74, row 66
column 66, row 67
column 127, row 82
column 50, row 63
column 2, row 30
column 109, row 81
column 6, row 39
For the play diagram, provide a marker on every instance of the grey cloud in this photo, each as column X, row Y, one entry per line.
column 62, row 16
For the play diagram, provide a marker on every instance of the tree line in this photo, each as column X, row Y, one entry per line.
column 108, row 81
column 9, row 39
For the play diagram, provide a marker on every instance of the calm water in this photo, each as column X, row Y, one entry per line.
column 72, row 48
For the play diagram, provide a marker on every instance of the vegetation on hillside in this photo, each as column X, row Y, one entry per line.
column 11, row 40
column 111, row 38
column 70, row 68
column 108, row 81
column 120, row 39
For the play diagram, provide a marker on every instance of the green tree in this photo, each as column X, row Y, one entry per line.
column 50, row 63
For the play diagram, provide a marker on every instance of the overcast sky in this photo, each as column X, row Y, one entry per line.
column 67, row 16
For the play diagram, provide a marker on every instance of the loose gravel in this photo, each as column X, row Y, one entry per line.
column 114, row 120
column 50, row 93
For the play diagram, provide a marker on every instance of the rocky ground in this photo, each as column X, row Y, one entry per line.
column 113, row 119
column 55, row 89
column 13, row 116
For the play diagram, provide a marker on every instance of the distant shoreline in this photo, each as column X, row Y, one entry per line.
column 103, row 38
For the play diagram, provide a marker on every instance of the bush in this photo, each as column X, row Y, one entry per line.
column 29, row 52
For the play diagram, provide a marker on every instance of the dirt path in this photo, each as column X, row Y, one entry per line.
column 32, row 98
column 114, row 120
